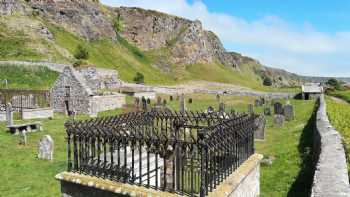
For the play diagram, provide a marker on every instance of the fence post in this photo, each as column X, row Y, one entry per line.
column 204, row 156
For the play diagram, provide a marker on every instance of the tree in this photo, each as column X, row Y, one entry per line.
column 267, row 81
column 335, row 84
column 81, row 53
column 118, row 24
column 139, row 78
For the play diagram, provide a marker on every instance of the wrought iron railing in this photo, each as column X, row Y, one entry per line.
column 24, row 99
column 187, row 153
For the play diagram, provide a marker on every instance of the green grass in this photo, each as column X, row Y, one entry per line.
column 345, row 95
column 339, row 115
column 24, row 175
column 27, row 77
column 291, row 174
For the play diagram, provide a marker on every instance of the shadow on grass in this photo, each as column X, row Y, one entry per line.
column 303, row 183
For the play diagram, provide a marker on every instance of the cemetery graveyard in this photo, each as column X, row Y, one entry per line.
column 277, row 142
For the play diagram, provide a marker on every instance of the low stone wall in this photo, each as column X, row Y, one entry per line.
column 244, row 182
column 147, row 95
column 107, row 102
column 331, row 174
column 2, row 116
column 37, row 113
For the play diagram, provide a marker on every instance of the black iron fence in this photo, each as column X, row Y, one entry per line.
column 24, row 99
column 187, row 153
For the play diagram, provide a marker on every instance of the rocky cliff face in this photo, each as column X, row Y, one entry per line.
column 185, row 40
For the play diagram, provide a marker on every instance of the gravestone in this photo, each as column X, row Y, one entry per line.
column 23, row 137
column 159, row 101
column 278, row 120
column 182, row 103
column 258, row 103
column 148, row 101
column 218, row 98
column 46, row 146
column 210, row 109
column 260, row 123
column 250, row 108
column 9, row 114
column 190, row 100
column 267, row 111
column 289, row 112
column 278, row 108
column 222, row 107
column 137, row 103
column 144, row 104
column 164, row 102
column 171, row 98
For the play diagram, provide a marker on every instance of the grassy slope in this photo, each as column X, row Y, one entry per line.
column 339, row 115
column 27, row 77
column 285, row 177
column 27, row 44
column 345, row 95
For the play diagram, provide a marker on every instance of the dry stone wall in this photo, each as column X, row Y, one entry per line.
column 331, row 174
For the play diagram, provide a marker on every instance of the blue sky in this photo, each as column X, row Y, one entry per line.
column 303, row 36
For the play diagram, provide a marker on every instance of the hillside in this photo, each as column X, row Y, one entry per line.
column 166, row 49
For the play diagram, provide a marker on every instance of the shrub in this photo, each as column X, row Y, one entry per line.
column 118, row 24
column 267, row 81
column 81, row 53
column 139, row 78
column 334, row 83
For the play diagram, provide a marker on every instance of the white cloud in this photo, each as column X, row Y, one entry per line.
column 272, row 40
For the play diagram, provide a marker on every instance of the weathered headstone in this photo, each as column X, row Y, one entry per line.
column 144, row 104
column 289, row 112
column 182, row 103
column 137, row 103
column 218, row 98
column 210, row 109
column 278, row 108
column 258, row 103
column 46, row 146
column 260, row 123
column 164, row 102
column 278, row 120
column 190, row 100
column 23, row 137
column 222, row 107
column 9, row 114
column 148, row 101
column 250, row 108
column 159, row 101
column 171, row 98
column 267, row 111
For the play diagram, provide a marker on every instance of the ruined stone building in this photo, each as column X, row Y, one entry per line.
column 73, row 93
column 311, row 91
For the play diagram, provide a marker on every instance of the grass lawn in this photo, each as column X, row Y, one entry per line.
column 24, row 175
column 339, row 115
column 345, row 95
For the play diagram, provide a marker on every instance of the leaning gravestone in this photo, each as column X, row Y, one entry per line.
column 9, row 114
column 267, row 111
column 289, row 112
column 182, row 103
column 250, row 108
column 46, row 147
column 260, row 123
column 278, row 120
column 278, row 108
column 137, row 104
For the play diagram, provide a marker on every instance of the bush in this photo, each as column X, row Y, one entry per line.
column 81, row 53
column 118, row 24
column 267, row 81
column 139, row 78
column 334, row 83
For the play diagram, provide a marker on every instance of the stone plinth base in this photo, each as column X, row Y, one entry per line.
column 39, row 113
column 244, row 182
